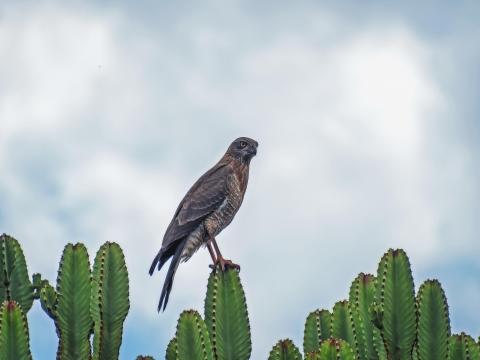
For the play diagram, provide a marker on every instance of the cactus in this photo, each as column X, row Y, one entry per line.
column 362, row 292
column 285, row 350
column 109, row 302
column 69, row 304
column 72, row 308
column 193, row 341
column 394, row 307
column 226, row 316
column 463, row 347
column 336, row 349
column 14, row 281
column 312, row 355
column 171, row 353
column 341, row 323
column 48, row 300
column 317, row 329
column 433, row 324
column 14, row 340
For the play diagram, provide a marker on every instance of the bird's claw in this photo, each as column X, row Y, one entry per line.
column 224, row 264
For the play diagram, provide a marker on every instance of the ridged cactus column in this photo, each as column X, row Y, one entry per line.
column 317, row 329
column 394, row 308
column 335, row 349
column 285, row 350
column 341, row 323
column 171, row 353
column 463, row 347
column 109, row 302
column 433, row 324
column 226, row 316
column 14, row 280
column 14, row 341
column 72, row 308
column 193, row 341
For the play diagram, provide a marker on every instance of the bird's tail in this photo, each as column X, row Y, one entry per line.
column 167, row 285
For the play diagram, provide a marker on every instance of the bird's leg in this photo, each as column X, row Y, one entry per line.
column 224, row 263
column 212, row 253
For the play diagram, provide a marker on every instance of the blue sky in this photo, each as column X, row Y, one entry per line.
column 366, row 115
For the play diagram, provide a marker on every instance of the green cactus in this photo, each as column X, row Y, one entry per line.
column 336, row 349
column 362, row 293
column 48, row 300
column 14, row 340
column 462, row 347
column 226, row 316
column 433, row 323
column 171, row 353
column 341, row 323
column 285, row 350
column 394, row 307
column 72, row 308
column 109, row 302
column 317, row 329
column 193, row 340
column 14, row 281
column 312, row 355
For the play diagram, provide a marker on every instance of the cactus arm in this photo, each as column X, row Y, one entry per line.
column 171, row 353
column 193, row 341
column 459, row 347
column 226, row 316
column 14, row 280
column 285, row 350
column 433, row 324
column 14, row 340
column 109, row 302
column 341, row 323
column 48, row 300
column 72, row 308
column 317, row 328
column 362, row 294
column 336, row 349
column 395, row 299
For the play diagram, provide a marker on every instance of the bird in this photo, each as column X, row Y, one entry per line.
column 208, row 207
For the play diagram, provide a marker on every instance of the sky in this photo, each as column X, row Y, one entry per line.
column 367, row 118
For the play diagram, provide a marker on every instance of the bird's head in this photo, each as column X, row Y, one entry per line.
column 243, row 148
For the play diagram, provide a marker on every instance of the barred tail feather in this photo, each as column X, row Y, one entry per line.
column 167, row 285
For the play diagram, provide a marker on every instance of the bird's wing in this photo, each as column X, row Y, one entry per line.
column 205, row 196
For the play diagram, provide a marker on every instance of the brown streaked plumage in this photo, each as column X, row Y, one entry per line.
column 208, row 207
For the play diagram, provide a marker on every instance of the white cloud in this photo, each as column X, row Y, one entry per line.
column 119, row 127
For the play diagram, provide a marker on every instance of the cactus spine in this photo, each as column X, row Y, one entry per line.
column 109, row 302
column 317, row 329
column 433, row 324
column 14, row 340
column 193, row 341
column 285, row 350
column 395, row 305
column 14, row 281
column 226, row 316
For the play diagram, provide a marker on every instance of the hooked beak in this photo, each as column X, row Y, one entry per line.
column 252, row 150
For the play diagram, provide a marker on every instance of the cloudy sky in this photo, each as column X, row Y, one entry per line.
column 367, row 119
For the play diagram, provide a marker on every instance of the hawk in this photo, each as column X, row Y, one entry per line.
column 208, row 207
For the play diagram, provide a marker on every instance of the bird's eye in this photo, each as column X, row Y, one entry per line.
column 243, row 144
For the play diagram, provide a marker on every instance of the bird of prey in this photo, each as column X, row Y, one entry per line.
column 207, row 208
